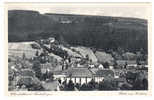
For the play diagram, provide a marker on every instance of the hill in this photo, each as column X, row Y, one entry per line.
column 103, row 32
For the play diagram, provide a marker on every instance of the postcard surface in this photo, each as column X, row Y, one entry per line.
column 81, row 48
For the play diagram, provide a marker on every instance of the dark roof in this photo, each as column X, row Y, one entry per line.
column 59, row 73
column 78, row 72
column 143, row 62
column 104, row 73
column 123, row 62
column 131, row 62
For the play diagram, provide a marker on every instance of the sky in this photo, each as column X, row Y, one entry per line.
column 118, row 10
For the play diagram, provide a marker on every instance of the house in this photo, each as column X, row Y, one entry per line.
column 60, row 75
column 111, row 67
column 121, row 63
column 51, row 40
column 143, row 63
column 91, row 65
column 78, row 75
column 119, row 73
column 100, row 75
column 94, row 70
column 101, row 66
column 129, row 64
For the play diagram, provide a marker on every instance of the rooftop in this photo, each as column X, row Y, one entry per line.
column 94, row 70
column 123, row 62
column 104, row 73
column 78, row 72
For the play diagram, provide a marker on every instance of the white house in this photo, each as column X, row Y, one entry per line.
column 101, row 66
column 78, row 75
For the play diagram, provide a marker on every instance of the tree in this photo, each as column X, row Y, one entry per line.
column 106, row 65
column 37, row 53
column 91, row 84
column 37, row 69
column 36, row 85
column 9, row 59
column 77, row 85
column 23, row 56
column 126, row 86
column 131, row 77
column 50, row 76
column 137, row 85
column 140, row 83
column 106, row 85
column 120, row 51
column 125, row 66
column 70, row 85
column 59, row 81
column 87, row 57
column 145, row 84
column 138, row 61
column 83, row 87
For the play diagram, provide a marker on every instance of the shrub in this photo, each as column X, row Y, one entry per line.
column 106, row 85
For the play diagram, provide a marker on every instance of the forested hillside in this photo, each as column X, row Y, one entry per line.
column 102, row 32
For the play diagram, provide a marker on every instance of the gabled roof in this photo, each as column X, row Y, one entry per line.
column 143, row 62
column 123, row 62
column 59, row 73
column 104, row 73
column 94, row 70
column 131, row 62
column 78, row 72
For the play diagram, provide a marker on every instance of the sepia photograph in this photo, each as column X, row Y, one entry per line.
column 78, row 47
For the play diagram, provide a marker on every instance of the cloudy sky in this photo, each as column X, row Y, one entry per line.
column 119, row 10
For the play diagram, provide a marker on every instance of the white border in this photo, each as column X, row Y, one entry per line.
column 55, row 97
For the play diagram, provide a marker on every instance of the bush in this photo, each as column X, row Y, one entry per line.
column 126, row 87
column 107, row 85
column 69, row 86
column 145, row 84
column 37, row 69
column 9, row 59
column 92, row 84
column 87, row 87
column 35, row 46
column 32, row 84
column 140, row 85
column 84, row 87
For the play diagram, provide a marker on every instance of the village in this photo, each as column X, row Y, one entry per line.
column 48, row 65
